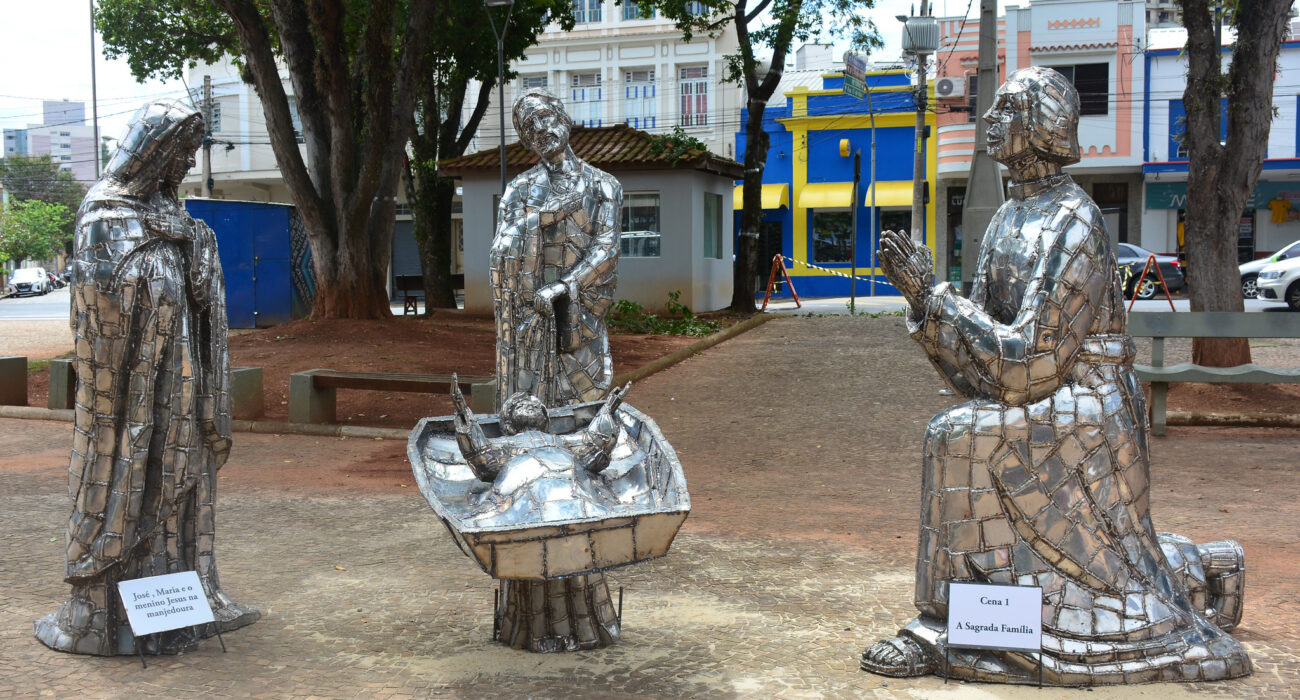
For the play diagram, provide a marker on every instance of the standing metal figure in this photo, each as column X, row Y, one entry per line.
column 153, row 409
column 553, row 265
column 1042, row 478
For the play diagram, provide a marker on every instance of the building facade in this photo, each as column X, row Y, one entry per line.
column 809, row 204
column 1097, row 45
column 618, row 66
column 64, row 136
column 676, row 234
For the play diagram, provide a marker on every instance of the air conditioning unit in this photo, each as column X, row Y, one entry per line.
column 950, row 88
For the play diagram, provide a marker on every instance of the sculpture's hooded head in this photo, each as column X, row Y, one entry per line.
column 542, row 124
column 523, row 411
column 1035, row 115
column 158, row 149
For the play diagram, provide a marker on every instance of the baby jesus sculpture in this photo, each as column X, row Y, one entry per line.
column 536, row 475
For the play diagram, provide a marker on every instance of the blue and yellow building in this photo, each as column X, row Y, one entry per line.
column 807, row 193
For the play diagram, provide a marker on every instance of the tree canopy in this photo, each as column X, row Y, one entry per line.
column 353, row 69
column 40, row 178
column 33, row 230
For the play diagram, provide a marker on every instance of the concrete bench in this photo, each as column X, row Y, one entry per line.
column 312, row 394
column 245, row 389
column 13, row 380
column 1206, row 324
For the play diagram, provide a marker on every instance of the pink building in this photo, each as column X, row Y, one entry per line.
column 1097, row 44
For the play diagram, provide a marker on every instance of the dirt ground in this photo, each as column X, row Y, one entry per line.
column 801, row 444
column 447, row 342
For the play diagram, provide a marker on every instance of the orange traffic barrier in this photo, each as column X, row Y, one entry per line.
column 779, row 264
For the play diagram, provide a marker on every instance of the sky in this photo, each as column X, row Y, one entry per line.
column 45, row 49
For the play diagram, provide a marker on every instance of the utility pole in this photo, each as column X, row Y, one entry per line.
column 920, row 39
column 207, row 136
column 983, row 183
column 918, row 157
column 94, row 92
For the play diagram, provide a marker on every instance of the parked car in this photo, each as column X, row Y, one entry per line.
column 1134, row 258
column 1250, row 271
column 30, row 280
column 1281, row 282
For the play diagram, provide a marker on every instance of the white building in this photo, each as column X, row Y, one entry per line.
column 618, row 67
column 243, row 163
column 64, row 136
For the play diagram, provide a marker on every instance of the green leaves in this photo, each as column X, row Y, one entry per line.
column 33, row 230
column 159, row 38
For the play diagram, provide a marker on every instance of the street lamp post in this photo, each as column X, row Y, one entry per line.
column 501, row 84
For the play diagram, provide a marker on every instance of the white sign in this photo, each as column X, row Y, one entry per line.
column 855, row 66
column 984, row 616
column 167, row 602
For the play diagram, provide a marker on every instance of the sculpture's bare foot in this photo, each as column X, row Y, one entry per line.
column 897, row 657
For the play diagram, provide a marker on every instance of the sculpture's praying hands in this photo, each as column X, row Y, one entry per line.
column 908, row 266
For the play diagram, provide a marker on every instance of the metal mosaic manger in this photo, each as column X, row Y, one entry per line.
column 644, row 477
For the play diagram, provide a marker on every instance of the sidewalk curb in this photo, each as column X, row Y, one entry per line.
column 361, row 431
column 673, row 358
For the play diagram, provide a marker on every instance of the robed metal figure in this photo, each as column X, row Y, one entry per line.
column 1042, row 478
column 152, row 419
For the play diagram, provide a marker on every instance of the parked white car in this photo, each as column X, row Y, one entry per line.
column 30, row 280
column 1250, row 271
column 1281, row 282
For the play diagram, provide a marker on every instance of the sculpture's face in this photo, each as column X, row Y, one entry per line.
column 545, row 132
column 1009, row 123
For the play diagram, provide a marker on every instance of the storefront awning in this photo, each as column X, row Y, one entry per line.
column 817, row 195
column 890, row 193
column 774, row 197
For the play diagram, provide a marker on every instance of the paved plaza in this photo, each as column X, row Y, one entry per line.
column 801, row 444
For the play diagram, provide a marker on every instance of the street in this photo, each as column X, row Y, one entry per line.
column 51, row 307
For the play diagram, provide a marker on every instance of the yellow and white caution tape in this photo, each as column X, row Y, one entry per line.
column 837, row 273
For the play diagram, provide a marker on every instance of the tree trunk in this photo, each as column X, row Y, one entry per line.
column 751, row 216
column 1221, row 176
column 433, row 226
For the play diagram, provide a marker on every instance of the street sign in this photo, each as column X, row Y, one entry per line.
column 853, row 87
column 855, row 66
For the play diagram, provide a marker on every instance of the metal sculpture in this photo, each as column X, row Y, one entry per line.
column 1042, row 478
column 553, row 265
column 152, row 419
column 546, row 500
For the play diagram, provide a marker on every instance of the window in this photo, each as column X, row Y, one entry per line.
column 528, row 82
column 215, row 125
column 641, row 237
column 694, row 7
column 639, row 99
column 693, row 86
column 831, row 229
column 712, row 225
column 586, row 103
column 1092, row 80
column 65, row 157
column 586, row 11
column 631, row 11
column 65, row 133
